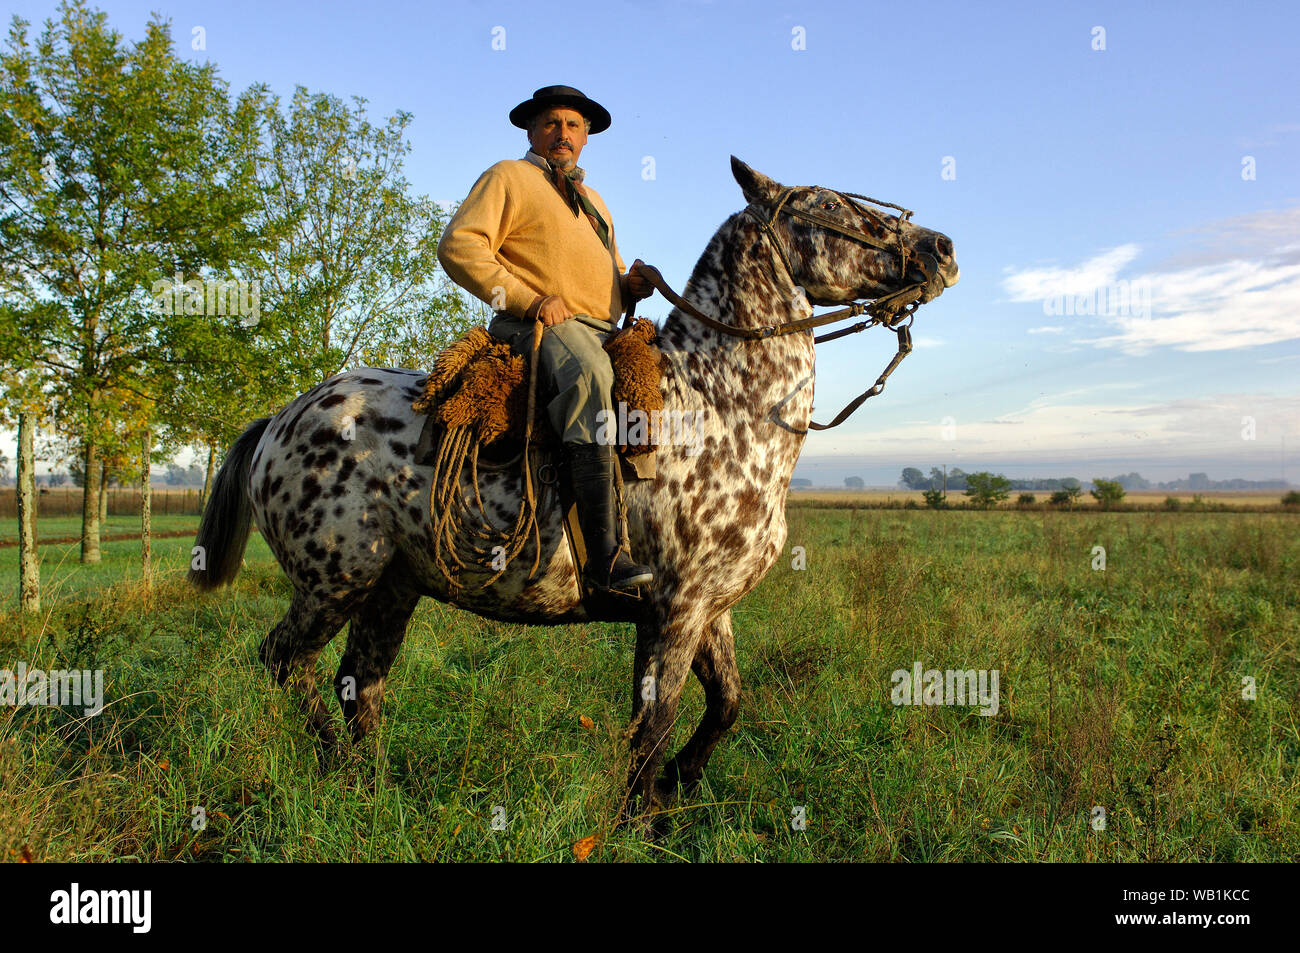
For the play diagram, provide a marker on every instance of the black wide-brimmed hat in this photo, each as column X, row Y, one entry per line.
column 565, row 96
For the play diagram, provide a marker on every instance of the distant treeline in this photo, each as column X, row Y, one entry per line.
column 914, row 479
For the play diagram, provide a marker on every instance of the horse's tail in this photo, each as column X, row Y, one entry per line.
column 227, row 519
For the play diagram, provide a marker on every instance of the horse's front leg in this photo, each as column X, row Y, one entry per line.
column 664, row 652
column 715, row 667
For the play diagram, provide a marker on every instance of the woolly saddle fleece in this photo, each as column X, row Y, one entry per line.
column 479, row 383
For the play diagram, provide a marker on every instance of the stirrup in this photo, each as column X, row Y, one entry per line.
column 623, row 575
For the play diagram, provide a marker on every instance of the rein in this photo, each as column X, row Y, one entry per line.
column 890, row 310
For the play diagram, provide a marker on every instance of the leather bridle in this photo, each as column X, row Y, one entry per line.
column 889, row 310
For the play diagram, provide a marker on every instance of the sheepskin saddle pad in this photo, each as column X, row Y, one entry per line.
column 480, row 383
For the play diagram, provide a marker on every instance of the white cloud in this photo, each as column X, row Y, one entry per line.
column 1221, row 303
column 1036, row 284
column 1047, row 329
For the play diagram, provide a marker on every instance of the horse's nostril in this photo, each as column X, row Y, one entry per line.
column 943, row 246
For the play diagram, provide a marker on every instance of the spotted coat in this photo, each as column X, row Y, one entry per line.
column 335, row 490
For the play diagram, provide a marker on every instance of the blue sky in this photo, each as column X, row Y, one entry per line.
column 1075, row 169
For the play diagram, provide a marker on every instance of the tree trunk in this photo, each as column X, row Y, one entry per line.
column 207, row 479
column 29, row 558
column 90, row 503
column 146, row 504
column 103, row 493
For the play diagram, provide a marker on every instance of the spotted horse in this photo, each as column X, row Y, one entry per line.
column 333, row 483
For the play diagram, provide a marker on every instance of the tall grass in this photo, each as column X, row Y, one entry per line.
column 1120, row 689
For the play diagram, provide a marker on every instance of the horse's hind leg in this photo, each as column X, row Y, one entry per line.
column 374, row 638
column 292, row 647
column 715, row 667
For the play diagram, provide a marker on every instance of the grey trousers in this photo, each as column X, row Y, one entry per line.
column 573, row 372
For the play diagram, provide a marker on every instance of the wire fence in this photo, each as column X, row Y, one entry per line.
column 122, row 501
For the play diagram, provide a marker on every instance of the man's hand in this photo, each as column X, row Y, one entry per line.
column 551, row 310
column 635, row 284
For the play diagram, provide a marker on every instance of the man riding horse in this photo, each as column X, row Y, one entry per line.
column 537, row 244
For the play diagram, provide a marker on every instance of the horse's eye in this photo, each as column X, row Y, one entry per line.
column 830, row 205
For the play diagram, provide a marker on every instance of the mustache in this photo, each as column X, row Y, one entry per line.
column 563, row 142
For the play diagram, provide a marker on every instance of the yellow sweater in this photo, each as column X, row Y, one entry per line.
column 515, row 238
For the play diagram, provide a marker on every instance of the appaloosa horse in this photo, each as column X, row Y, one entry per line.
column 333, row 485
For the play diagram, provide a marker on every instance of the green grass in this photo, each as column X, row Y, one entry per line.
column 63, row 575
column 59, row 527
column 1119, row 688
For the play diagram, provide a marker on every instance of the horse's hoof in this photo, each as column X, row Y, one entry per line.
column 672, row 785
column 666, row 790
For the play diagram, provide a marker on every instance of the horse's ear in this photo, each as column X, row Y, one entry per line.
column 756, row 186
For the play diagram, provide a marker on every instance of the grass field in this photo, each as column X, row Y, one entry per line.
column 1120, row 689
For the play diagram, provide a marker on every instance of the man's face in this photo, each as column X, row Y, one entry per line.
column 559, row 134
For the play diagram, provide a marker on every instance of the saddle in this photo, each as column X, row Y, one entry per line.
column 481, row 384
column 476, row 400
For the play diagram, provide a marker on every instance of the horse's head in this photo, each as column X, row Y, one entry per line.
column 841, row 247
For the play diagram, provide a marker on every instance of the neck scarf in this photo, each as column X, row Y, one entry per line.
column 569, row 185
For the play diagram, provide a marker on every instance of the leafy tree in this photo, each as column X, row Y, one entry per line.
column 119, row 166
column 934, row 499
column 1291, row 499
column 914, row 479
column 956, row 479
column 351, row 270
column 1026, row 499
column 987, row 489
column 854, row 483
column 1106, row 492
column 1068, row 496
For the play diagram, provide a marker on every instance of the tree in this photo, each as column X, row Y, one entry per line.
column 854, row 483
column 1068, row 496
column 1026, row 499
column 119, row 166
column 914, row 479
column 987, row 489
column 22, row 402
column 1106, row 492
column 934, row 499
column 351, row 268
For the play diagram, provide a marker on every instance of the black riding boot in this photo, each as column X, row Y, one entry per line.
column 591, row 472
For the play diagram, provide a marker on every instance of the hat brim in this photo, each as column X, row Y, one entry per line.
column 525, row 111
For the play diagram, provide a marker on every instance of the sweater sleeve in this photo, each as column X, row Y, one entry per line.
column 468, row 248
